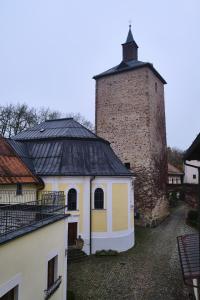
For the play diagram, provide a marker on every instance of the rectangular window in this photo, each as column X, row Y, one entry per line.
column 127, row 165
column 11, row 295
column 19, row 189
column 52, row 271
column 194, row 176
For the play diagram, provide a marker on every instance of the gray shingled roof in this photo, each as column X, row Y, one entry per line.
column 59, row 128
column 66, row 148
column 128, row 66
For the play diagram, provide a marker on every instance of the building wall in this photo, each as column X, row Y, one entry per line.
column 24, row 260
column 191, row 174
column 112, row 226
column 130, row 114
column 8, row 193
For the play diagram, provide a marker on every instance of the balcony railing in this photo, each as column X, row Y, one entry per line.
column 30, row 214
column 188, row 246
column 8, row 197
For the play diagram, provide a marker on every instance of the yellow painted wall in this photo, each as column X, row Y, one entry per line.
column 119, row 206
column 28, row 255
column 99, row 220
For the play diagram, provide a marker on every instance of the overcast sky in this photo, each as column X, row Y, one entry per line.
column 50, row 50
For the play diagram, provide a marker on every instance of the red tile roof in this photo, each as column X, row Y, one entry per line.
column 12, row 168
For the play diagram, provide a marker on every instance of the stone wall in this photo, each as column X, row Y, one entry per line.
column 130, row 114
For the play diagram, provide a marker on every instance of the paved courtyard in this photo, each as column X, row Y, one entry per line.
column 149, row 271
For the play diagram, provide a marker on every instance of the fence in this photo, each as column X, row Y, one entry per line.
column 18, row 216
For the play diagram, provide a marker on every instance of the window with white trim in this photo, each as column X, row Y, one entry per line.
column 99, row 199
column 72, row 199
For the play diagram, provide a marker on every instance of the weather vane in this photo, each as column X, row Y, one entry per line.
column 130, row 23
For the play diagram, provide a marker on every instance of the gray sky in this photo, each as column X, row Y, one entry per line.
column 50, row 49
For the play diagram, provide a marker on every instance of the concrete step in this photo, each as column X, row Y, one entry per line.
column 75, row 255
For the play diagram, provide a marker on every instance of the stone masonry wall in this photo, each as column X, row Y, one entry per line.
column 130, row 115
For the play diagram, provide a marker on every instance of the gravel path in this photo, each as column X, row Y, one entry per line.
column 149, row 271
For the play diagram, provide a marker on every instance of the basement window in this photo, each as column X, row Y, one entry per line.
column 19, row 189
column 127, row 165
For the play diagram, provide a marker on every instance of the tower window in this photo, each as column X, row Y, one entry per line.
column 127, row 165
column 98, row 199
column 156, row 87
column 72, row 199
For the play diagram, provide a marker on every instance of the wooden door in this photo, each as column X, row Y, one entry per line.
column 72, row 233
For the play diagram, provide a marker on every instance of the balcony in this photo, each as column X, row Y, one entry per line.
column 21, row 218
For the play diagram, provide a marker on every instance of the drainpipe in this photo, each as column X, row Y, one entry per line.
column 91, row 179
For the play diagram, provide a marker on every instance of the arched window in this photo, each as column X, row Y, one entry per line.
column 98, row 199
column 72, row 199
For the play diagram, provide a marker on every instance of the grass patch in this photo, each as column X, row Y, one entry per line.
column 70, row 295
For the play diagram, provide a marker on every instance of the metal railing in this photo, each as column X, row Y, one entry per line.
column 8, row 197
column 188, row 247
column 22, row 215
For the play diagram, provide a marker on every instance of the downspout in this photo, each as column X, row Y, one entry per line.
column 91, row 179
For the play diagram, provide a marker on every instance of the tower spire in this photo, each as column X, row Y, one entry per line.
column 130, row 35
column 130, row 47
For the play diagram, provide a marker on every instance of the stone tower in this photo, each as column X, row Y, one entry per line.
column 130, row 113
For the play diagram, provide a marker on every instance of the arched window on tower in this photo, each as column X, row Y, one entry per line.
column 72, row 199
column 98, row 199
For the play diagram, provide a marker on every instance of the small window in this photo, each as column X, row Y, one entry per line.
column 11, row 295
column 127, row 165
column 194, row 176
column 72, row 199
column 52, row 271
column 98, row 199
column 156, row 87
column 19, row 189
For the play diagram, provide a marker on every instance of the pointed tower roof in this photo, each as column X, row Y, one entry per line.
column 130, row 60
column 129, row 36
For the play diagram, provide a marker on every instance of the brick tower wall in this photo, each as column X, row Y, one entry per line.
column 130, row 114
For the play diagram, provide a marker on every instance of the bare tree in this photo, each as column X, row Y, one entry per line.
column 19, row 117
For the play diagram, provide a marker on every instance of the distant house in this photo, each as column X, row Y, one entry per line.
column 191, row 173
column 97, row 186
column 175, row 176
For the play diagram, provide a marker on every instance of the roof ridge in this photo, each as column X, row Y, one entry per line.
column 60, row 119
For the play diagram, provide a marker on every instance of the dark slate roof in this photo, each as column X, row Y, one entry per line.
column 129, row 36
column 56, row 128
column 193, row 152
column 83, row 154
column 129, row 66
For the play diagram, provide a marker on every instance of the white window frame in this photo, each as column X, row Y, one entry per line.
column 14, row 283
column 77, row 194
column 104, row 196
